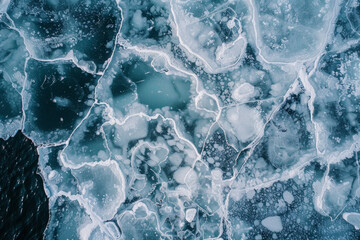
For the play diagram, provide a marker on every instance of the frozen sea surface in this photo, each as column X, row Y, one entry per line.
column 183, row 119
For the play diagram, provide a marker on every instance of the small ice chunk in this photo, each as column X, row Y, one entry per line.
column 133, row 129
column 228, row 54
column 353, row 218
column 216, row 174
column 288, row 197
column 138, row 21
column 246, row 122
column 102, row 155
column 243, row 92
column 180, row 174
column 230, row 24
column 260, row 163
column 206, row 102
column 175, row 159
column 113, row 229
column 273, row 223
column 52, row 174
column 190, row 214
column 250, row 194
column 186, row 175
column 62, row 102
column 140, row 209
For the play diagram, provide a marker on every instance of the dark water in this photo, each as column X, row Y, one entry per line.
column 23, row 204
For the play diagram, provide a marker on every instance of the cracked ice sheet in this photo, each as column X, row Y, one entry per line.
column 188, row 119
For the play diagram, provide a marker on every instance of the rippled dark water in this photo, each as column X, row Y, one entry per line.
column 23, row 204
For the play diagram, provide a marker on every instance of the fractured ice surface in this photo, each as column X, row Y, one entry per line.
column 292, row 30
column 12, row 76
column 188, row 119
column 54, row 28
column 212, row 31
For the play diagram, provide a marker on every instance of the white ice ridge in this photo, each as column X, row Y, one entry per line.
column 257, row 130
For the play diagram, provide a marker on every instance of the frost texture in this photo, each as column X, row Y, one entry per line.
column 188, row 119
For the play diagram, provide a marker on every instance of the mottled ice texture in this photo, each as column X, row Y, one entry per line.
column 188, row 119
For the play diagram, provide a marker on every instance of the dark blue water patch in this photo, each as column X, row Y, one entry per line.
column 60, row 94
column 121, row 85
column 222, row 155
column 250, row 58
column 23, row 204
